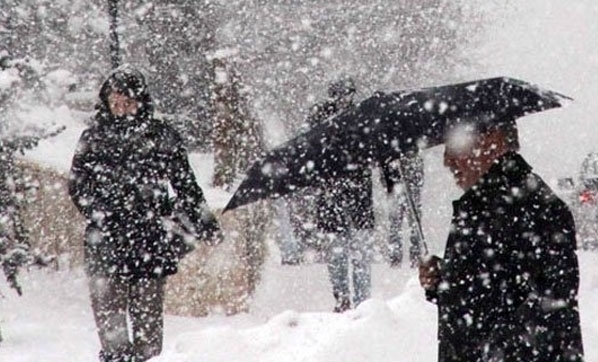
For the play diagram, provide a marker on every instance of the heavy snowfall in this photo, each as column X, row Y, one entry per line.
column 285, row 53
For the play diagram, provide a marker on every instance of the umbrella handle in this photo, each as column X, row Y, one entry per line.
column 411, row 209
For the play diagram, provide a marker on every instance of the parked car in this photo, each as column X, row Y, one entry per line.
column 582, row 197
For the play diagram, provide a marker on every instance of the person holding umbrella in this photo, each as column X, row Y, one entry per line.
column 120, row 175
column 506, row 288
column 345, row 216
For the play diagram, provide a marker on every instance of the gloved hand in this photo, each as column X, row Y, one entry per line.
column 199, row 223
column 16, row 258
column 429, row 273
column 215, row 238
column 41, row 260
column 209, row 229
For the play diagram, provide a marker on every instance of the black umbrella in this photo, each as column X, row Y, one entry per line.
column 383, row 127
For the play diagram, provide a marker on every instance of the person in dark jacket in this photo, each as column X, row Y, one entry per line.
column 404, row 180
column 506, row 288
column 345, row 214
column 119, row 180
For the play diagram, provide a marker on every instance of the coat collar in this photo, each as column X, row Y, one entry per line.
column 507, row 171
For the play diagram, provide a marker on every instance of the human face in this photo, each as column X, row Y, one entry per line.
column 121, row 105
column 469, row 155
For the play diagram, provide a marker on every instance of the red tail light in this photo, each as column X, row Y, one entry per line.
column 586, row 197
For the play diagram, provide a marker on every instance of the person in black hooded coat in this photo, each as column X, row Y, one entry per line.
column 119, row 180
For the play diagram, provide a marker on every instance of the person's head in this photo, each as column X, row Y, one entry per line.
column 471, row 147
column 342, row 90
column 124, row 94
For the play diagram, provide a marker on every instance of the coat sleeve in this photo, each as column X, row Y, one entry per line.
column 80, row 177
column 554, row 278
column 557, row 271
column 190, row 199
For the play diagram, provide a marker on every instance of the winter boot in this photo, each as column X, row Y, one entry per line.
column 116, row 357
column 396, row 260
column 342, row 304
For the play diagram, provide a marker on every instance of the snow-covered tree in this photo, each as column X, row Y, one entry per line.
column 22, row 82
column 69, row 34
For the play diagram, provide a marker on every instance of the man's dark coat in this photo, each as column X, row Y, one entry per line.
column 509, row 276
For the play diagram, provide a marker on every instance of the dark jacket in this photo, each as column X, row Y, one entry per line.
column 119, row 181
column 509, row 276
column 343, row 203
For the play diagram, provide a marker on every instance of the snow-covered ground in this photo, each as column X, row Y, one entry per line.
column 549, row 42
column 289, row 322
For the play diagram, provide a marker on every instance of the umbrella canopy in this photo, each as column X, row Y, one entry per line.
column 383, row 127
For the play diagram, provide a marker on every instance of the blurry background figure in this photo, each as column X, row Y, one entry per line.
column 344, row 213
column 587, row 199
column 581, row 194
column 288, row 237
column 236, row 134
column 404, row 181
column 297, row 220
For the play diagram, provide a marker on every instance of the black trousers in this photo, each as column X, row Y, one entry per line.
column 129, row 316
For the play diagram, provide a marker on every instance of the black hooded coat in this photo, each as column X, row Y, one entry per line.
column 509, row 277
column 119, row 181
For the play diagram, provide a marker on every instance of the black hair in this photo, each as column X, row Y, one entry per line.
column 485, row 123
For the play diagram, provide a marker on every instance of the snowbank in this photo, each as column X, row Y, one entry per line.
column 52, row 322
